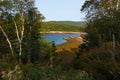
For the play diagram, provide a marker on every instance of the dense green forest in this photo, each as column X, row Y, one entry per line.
column 25, row 55
column 72, row 23
column 100, row 52
column 63, row 26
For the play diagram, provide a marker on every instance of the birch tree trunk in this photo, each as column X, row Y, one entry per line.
column 19, row 29
column 118, row 2
column 8, row 40
column 113, row 35
column 114, row 44
column 20, row 33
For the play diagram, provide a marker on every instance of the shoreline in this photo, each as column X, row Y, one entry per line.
column 71, row 43
column 63, row 32
column 79, row 38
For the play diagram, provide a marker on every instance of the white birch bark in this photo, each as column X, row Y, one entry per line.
column 113, row 35
column 118, row 2
column 114, row 44
column 8, row 40
column 21, row 34
column 18, row 37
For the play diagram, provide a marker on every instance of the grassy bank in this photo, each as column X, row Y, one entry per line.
column 67, row 51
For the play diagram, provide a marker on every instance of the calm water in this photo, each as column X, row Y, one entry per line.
column 58, row 38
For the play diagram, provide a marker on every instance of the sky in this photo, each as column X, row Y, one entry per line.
column 61, row 10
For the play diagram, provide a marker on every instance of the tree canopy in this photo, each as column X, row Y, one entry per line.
column 20, row 23
column 104, row 18
column 101, row 48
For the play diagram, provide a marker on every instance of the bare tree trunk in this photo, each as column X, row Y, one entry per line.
column 18, row 37
column 8, row 40
column 113, row 35
column 118, row 2
column 21, row 34
column 114, row 44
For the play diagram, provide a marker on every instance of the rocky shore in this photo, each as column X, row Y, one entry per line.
column 74, row 39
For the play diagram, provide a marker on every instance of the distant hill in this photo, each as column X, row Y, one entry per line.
column 63, row 26
column 72, row 23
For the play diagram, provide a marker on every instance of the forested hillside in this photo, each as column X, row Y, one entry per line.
column 63, row 26
column 72, row 23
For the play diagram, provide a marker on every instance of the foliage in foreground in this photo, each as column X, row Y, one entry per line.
column 31, row 72
column 99, row 61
